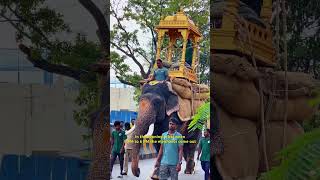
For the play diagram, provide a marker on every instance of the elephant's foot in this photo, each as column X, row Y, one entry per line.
column 190, row 167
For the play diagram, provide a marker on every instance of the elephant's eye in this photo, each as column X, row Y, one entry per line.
column 157, row 102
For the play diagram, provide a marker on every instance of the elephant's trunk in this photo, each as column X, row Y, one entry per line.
column 144, row 125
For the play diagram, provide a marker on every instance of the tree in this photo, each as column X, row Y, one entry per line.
column 147, row 14
column 300, row 160
column 36, row 27
column 303, row 36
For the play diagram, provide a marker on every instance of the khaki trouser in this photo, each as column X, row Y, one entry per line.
column 127, row 154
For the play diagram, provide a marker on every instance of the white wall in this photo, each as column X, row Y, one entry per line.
column 122, row 98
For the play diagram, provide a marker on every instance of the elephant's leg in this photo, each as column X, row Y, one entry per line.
column 185, row 154
column 188, row 151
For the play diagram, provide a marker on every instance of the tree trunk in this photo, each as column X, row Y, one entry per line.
column 100, row 169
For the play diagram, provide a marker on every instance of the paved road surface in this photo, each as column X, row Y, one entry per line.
column 146, row 168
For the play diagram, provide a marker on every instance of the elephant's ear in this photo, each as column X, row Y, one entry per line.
column 172, row 104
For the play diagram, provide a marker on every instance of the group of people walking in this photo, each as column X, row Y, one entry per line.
column 169, row 159
column 118, row 146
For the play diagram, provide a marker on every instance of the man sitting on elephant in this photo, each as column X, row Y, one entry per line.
column 161, row 73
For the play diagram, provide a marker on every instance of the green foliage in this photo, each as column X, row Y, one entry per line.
column 122, row 70
column 312, row 123
column 301, row 159
column 88, row 100
column 79, row 54
column 137, row 94
column 200, row 118
column 34, row 21
column 147, row 14
column 303, row 36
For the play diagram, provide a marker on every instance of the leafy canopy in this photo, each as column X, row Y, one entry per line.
column 125, row 40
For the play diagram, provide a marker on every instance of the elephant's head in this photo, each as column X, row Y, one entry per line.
column 156, row 103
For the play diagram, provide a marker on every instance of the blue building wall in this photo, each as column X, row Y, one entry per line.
column 21, row 167
column 122, row 115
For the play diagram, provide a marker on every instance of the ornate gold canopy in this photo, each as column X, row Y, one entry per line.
column 175, row 27
column 232, row 33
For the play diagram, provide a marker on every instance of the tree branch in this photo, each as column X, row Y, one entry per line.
column 79, row 75
column 131, row 55
column 10, row 20
column 139, row 51
column 33, row 26
column 131, row 52
column 16, row 26
column 151, row 28
column 126, row 82
column 153, row 39
column 103, row 26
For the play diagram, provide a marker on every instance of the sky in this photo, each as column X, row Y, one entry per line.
column 143, row 38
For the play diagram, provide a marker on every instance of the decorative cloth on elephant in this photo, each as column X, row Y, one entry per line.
column 154, row 82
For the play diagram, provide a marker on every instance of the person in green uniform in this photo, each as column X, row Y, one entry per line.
column 118, row 138
column 204, row 150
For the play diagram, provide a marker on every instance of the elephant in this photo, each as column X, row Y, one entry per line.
column 157, row 104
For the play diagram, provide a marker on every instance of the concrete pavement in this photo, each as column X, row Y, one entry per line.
column 147, row 166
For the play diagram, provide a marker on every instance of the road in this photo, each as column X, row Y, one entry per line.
column 146, row 168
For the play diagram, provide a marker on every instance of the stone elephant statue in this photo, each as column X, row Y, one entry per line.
column 237, row 101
